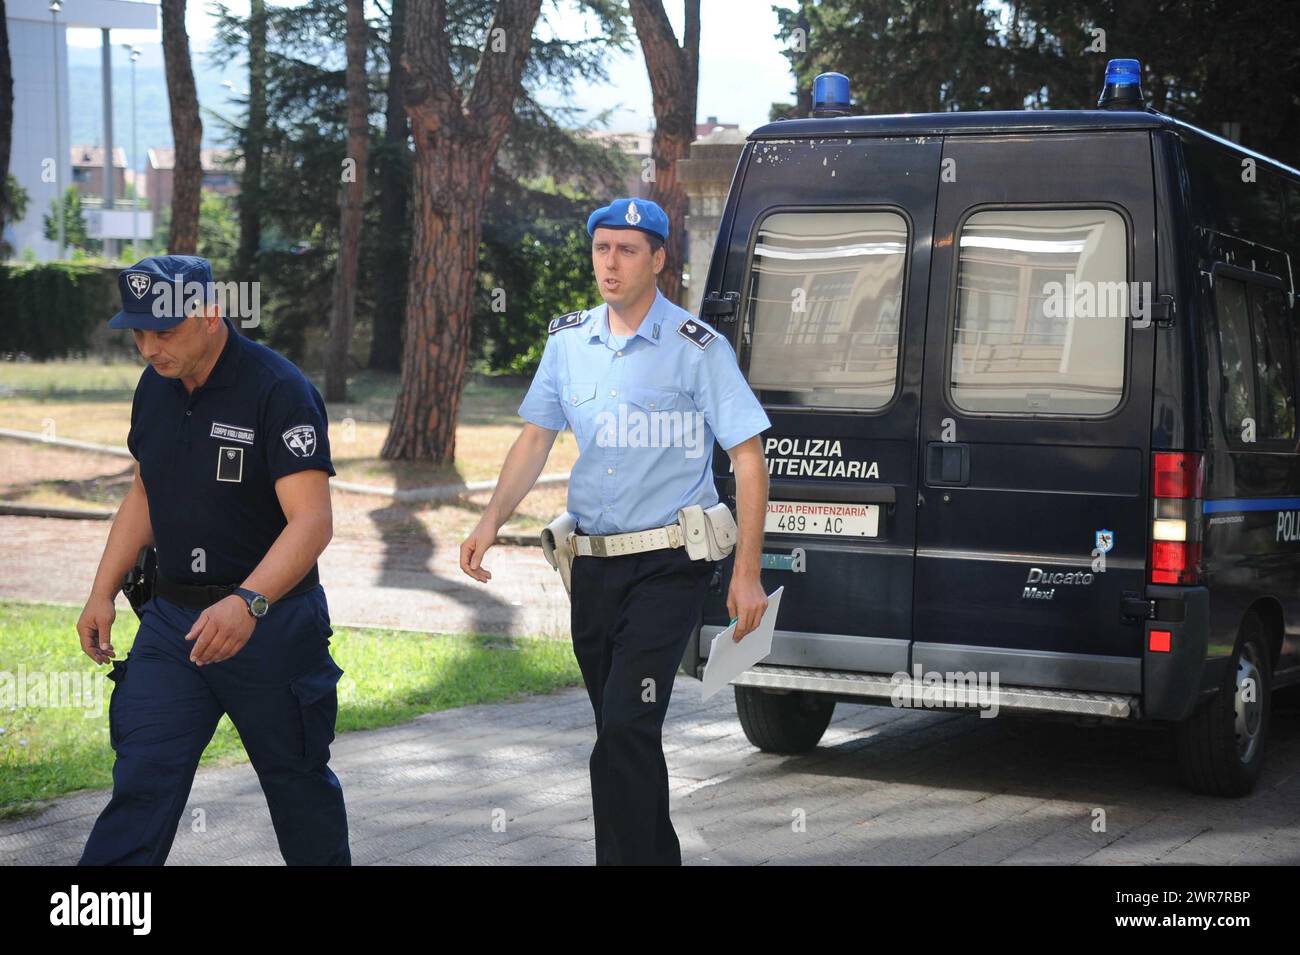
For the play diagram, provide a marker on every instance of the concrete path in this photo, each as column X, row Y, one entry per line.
column 885, row 786
column 372, row 579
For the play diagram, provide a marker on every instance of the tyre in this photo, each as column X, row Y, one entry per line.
column 1220, row 747
column 783, row 722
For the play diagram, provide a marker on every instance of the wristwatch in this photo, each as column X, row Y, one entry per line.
column 257, row 604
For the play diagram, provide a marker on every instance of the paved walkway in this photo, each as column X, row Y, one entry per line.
column 372, row 579
column 886, row 786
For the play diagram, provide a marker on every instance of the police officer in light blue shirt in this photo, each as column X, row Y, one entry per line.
column 646, row 389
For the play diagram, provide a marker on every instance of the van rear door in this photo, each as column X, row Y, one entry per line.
column 1036, row 411
column 829, row 251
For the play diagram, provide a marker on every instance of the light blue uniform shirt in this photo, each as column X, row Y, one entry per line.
column 645, row 410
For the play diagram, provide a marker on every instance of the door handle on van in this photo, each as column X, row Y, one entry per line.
column 947, row 464
column 720, row 305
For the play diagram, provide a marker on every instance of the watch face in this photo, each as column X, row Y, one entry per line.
column 259, row 605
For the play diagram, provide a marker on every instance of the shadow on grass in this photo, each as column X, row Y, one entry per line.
column 105, row 490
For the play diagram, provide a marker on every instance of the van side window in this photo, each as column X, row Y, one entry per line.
column 1233, row 319
column 823, row 308
column 1257, row 355
column 1042, row 306
column 1274, row 364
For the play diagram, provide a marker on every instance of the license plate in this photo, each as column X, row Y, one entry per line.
column 822, row 517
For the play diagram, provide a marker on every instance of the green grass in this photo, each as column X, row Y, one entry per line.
column 114, row 380
column 371, row 394
column 390, row 677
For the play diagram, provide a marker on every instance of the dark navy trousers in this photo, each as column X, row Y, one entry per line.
column 280, row 691
column 631, row 618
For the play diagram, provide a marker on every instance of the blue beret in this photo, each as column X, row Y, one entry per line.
column 156, row 290
column 640, row 214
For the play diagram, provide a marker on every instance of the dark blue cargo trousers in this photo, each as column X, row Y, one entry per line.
column 280, row 691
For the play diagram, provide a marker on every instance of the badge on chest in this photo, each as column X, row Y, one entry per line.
column 230, row 464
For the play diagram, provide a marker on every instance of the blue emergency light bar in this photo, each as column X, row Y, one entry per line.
column 1123, row 88
column 831, row 95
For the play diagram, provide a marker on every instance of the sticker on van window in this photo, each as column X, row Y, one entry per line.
column 1104, row 541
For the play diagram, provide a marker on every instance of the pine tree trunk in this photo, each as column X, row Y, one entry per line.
column 455, row 146
column 674, row 82
column 250, row 185
column 394, row 210
column 351, row 206
column 439, row 296
column 666, row 148
column 187, row 130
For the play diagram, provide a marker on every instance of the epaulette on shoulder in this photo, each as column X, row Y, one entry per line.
column 697, row 333
column 565, row 321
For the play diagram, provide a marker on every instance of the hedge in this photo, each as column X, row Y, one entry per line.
column 51, row 309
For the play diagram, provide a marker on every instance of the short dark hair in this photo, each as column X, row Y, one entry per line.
column 656, row 243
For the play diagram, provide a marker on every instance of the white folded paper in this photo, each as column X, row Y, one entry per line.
column 728, row 659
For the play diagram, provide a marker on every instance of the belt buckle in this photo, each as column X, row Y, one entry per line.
column 598, row 546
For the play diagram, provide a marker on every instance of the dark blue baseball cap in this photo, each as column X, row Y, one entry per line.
column 156, row 291
column 640, row 214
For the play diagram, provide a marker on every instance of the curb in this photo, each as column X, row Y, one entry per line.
column 72, row 513
column 437, row 492
column 36, row 438
column 519, row 539
column 511, row 538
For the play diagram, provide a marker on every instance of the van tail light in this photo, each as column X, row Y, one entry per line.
column 1177, row 486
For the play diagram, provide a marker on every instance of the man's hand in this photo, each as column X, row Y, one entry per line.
column 746, row 603
column 483, row 536
column 95, row 628
column 524, row 462
column 221, row 631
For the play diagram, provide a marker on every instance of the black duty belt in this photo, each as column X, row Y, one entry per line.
column 202, row 596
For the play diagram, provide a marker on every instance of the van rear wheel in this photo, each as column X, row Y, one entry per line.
column 783, row 722
column 1221, row 745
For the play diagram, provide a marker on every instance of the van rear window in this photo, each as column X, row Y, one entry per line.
column 1042, row 306
column 824, row 300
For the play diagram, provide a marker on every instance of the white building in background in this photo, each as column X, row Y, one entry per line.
column 36, row 38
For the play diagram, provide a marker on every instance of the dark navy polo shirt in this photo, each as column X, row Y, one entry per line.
column 209, row 460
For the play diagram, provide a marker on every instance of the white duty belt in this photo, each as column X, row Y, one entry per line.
column 635, row 542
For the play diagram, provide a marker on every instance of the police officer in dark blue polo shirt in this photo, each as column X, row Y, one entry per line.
column 232, row 488
column 647, row 390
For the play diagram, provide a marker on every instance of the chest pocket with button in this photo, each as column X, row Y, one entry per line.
column 658, row 399
column 579, row 409
column 670, row 419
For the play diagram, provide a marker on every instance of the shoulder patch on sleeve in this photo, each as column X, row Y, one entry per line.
column 565, row 321
column 697, row 333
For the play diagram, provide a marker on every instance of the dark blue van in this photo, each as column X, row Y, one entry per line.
column 1032, row 378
